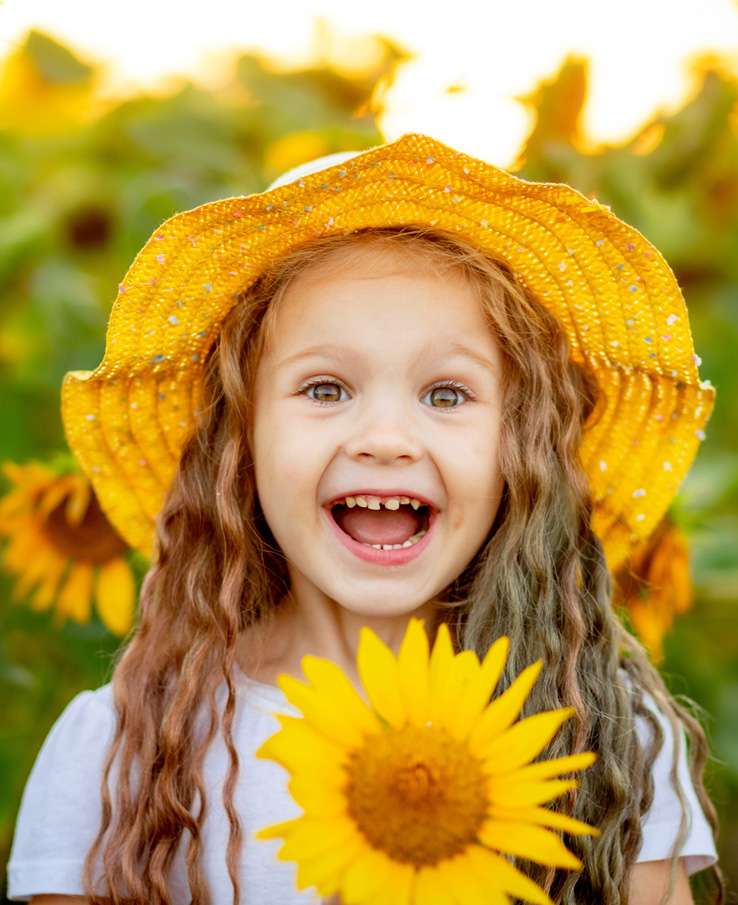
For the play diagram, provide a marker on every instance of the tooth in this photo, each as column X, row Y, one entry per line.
column 416, row 504
column 392, row 503
column 350, row 502
column 409, row 542
column 373, row 502
column 361, row 501
column 404, row 499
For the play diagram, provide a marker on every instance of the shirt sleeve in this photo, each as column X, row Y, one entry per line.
column 60, row 808
column 660, row 825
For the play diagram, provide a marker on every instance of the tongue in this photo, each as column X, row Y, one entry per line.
column 377, row 526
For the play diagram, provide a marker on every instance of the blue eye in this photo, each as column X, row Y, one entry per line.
column 453, row 390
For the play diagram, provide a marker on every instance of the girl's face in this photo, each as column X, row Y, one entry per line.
column 379, row 337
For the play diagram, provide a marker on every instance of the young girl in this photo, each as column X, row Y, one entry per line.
column 406, row 323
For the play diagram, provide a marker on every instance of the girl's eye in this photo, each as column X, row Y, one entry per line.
column 448, row 391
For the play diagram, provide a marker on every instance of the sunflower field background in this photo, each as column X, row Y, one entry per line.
column 84, row 181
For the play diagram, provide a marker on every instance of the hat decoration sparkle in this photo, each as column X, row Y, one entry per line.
column 616, row 297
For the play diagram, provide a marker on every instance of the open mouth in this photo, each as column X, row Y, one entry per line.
column 367, row 521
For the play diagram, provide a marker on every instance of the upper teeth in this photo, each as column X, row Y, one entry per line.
column 375, row 502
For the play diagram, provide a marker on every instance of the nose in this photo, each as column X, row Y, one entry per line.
column 386, row 433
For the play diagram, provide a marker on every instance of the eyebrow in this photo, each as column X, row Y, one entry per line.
column 330, row 350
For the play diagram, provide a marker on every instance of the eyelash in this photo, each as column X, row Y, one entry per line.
column 319, row 381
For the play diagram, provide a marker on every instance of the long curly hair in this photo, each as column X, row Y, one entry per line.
column 540, row 577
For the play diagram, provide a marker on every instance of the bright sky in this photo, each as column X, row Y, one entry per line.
column 641, row 52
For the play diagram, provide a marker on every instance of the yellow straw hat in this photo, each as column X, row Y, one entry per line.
column 614, row 293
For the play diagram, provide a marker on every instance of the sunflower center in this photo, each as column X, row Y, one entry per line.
column 93, row 539
column 416, row 794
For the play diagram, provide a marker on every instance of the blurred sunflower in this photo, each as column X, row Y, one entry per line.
column 654, row 585
column 61, row 544
column 416, row 795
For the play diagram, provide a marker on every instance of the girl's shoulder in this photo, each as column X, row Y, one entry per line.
column 660, row 824
column 60, row 807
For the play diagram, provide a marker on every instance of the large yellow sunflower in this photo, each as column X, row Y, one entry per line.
column 415, row 795
column 61, row 544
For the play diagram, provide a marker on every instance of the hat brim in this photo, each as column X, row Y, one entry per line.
column 611, row 289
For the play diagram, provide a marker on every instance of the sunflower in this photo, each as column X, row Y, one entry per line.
column 416, row 795
column 654, row 585
column 61, row 544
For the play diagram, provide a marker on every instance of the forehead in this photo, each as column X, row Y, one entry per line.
column 396, row 288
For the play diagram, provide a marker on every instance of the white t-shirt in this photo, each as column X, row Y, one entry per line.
column 60, row 809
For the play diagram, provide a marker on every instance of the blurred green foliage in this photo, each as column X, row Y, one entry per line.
column 82, row 186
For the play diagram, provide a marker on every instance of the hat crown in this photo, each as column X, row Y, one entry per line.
column 312, row 166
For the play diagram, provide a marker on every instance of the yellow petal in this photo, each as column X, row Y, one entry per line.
column 326, row 870
column 400, row 884
column 75, row 597
column 367, row 878
column 452, row 690
column 379, row 674
column 330, row 680
column 299, row 746
column 79, row 500
column 544, row 817
column 311, row 836
column 320, row 711
column 314, row 800
column 414, row 677
column 467, row 885
column 524, row 740
column 508, row 792
column 116, row 595
column 36, row 568
column 548, row 768
column 44, row 596
column 276, row 830
column 501, row 713
column 532, row 842
column 479, row 690
column 495, row 871
column 428, row 891
column 53, row 495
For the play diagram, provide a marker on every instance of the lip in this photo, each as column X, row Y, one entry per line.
column 382, row 557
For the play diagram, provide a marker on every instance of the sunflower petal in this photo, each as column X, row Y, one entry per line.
column 299, row 746
column 75, row 597
column 414, row 676
column 557, row 765
column 524, row 741
column 331, row 681
column 428, row 891
column 320, row 711
column 508, row 791
column 379, row 674
column 544, row 817
column 311, row 836
column 477, row 693
column 79, row 500
column 325, row 801
column 367, row 878
column 467, row 885
column 115, row 593
column 44, row 596
column 496, row 871
column 502, row 712
column 325, row 871
column 532, row 842
column 57, row 490
column 276, row 830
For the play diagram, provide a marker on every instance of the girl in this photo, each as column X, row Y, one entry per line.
column 406, row 323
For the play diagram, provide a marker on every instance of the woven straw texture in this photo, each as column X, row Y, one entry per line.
column 612, row 290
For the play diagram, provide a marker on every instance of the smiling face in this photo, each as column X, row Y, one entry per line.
column 375, row 339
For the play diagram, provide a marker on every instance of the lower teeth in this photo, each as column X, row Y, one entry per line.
column 411, row 541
